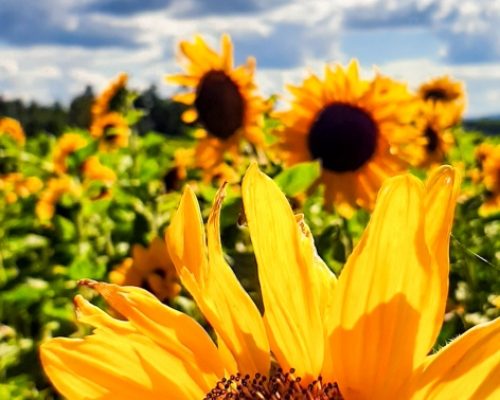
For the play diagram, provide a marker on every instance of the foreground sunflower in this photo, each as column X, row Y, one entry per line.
column 354, row 127
column 447, row 92
column 150, row 268
column 365, row 336
column 223, row 99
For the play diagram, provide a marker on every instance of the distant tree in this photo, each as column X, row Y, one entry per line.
column 162, row 115
column 79, row 108
column 34, row 117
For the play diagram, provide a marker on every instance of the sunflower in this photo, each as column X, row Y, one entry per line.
column 365, row 336
column 150, row 268
column 12, row 128
column 55, row 189
column 354, row 127
column 447, row 92
column 112, row 130
column 15, row 185
column 110, row 98
column 436, row 139
column 66, row 145
column 488, row 157
column 94, row 170
column 223, row 99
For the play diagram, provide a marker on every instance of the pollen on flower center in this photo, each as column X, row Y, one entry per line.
column 219, row 104
column 432, row 139
column 343, row 137
column 280, row 385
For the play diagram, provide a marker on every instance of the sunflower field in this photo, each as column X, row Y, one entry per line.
column 340, row 240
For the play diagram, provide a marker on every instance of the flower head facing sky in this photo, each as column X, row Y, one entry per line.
column 354, row 127
column 223, row 100
column 365, row 336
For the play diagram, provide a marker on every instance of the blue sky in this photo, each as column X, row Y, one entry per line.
column 51, row 49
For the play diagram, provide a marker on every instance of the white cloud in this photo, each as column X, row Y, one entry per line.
column 287, row 37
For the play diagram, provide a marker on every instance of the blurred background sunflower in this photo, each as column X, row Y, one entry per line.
column 222, row 99
column 448, row 93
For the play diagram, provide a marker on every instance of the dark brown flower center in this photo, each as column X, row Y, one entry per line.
column 432, row 139
column 280, row 385
column 437, row 95
column 110, row 135
column 219, row 104
column 343, row 137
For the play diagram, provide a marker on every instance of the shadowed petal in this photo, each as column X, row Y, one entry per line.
column 442, row 189
column 467, row 368
column 381, row 327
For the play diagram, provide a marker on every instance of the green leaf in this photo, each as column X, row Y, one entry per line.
column 65, row 229
column 134, row 116
column 76, row 159
column 83, row 268
column 298, row 178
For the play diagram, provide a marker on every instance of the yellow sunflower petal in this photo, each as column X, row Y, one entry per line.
column 467, row 368
column 215, row 288
column 183, row 80
column 380, row 322
column 209, row 152
column 285, row 262
column 89, row 314
column 227, row 53
column 200, row 54
column 185, row 98
column 120, row 360
column 116, row 366
column 440, row 209
column 189, row 116
column 174, row 331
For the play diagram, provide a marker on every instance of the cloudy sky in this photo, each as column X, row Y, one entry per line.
column 51, row 49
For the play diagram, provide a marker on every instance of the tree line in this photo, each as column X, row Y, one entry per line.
column 161, row 114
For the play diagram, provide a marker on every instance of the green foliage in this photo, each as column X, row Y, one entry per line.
column 299, row 178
